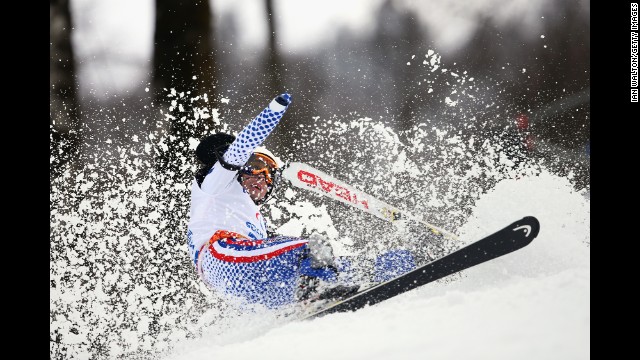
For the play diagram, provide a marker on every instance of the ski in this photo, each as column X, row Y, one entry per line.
column 306, row 177
column 511, row 238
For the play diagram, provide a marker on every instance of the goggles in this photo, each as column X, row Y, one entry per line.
column 260, row 164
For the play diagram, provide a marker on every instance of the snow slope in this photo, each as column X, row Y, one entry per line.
column 532, row 304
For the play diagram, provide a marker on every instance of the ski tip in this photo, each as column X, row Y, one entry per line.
column 529, row 226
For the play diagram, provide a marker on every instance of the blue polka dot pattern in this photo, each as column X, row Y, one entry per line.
column 254, row 134
column 271, row 282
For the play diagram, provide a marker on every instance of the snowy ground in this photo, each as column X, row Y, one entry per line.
column 532, row 304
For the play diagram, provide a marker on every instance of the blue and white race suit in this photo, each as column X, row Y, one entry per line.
column 227, row 234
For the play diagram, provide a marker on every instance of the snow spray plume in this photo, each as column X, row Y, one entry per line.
column 122, row 285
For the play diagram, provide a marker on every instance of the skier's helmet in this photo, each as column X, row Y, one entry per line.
column 209, row 151
column 212, row 147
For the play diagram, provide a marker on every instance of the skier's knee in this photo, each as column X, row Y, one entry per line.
column 320, row 252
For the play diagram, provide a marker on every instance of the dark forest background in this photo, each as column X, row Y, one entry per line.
column 516, row 70
column 369, row 108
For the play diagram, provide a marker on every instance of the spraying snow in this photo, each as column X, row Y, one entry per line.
column 122, row 285
column 530, row 304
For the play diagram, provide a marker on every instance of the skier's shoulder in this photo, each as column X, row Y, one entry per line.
column 216, row 179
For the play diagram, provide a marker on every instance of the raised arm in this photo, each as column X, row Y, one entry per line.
column 252, row 136
column 257, row 131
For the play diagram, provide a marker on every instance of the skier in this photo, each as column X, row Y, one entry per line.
column 227, row 235
column 517, row 143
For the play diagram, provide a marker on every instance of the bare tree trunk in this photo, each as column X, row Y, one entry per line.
column 63, row 99
column 274, row 73
column 410, row 42
column 183, row 59
column 398, row 36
